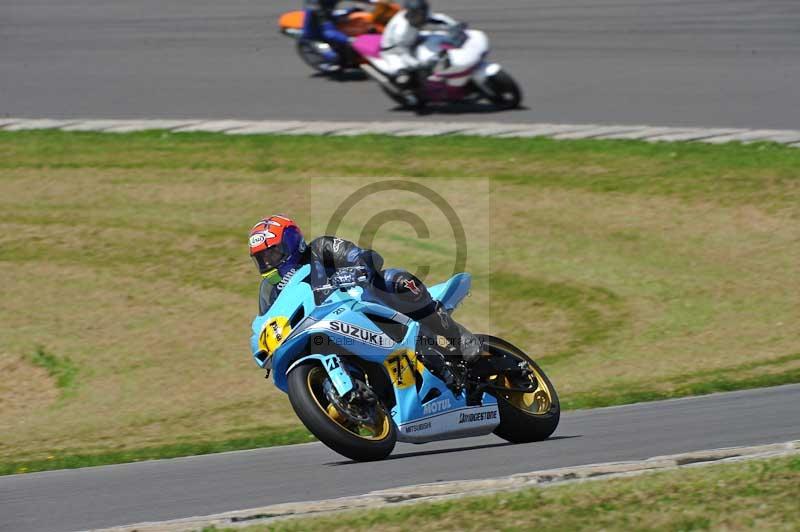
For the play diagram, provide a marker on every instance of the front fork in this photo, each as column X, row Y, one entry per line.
column 340, row 377
column 346, row 395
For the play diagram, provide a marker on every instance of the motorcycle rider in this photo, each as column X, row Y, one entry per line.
column 319, row 21
column 278, row 248
column 399, row 42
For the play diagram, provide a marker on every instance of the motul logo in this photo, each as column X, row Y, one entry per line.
column 436, row 406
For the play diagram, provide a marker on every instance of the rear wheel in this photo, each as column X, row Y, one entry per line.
column 524, row 416
column 361, row 432
column 505, row 93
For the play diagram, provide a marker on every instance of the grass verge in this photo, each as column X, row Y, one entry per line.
column 631, row 271
column 177, row 450
column 699, row 383
column 753, row 495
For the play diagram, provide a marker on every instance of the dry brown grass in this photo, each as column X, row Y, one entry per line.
column 139, row 276
column 24, row 390
column 700, row 285
column 157, row 332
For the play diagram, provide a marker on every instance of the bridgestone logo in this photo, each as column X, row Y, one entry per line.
column 478, row 416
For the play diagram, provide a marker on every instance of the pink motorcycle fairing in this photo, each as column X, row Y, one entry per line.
column 367, row 45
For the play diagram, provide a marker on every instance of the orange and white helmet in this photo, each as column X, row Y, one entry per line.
column 276, row 245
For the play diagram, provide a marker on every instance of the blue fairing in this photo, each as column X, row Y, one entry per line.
column 343, row 330
column 296, row 295
column 335, row 325
column 452, row 291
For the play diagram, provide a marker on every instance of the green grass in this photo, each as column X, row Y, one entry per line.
column 62, row 370
column 727, row 172
column 697, row 383
column 754, row 495
column 259, row 439
column 631, row 271
column 595, row 312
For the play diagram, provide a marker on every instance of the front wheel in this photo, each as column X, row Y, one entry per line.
column 359, row 432
column 524, row 417
column 504, row 91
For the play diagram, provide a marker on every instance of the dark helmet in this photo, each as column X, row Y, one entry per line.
column 417, row 12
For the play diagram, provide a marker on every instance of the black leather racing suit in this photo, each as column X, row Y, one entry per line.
column 396, row 288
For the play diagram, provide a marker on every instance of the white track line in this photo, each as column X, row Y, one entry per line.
column 38, row 123
column 422, row 129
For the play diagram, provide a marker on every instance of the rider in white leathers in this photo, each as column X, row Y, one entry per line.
column 401, row 37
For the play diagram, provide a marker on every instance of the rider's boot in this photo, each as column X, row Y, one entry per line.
column 456, row 340
column 444, row 342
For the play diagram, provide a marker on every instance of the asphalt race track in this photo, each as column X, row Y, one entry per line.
column 201, row 485
column 704, row 63
column 708, row 63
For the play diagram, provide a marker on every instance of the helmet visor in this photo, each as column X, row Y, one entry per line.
column 269, row 258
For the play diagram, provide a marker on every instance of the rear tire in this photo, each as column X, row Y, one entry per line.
column 506, row 92
column 518, row 425
column 311, row 409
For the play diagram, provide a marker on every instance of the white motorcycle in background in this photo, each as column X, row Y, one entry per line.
column 460, row 73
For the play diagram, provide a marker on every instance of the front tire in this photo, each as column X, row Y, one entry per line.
column 524, row 417
column 362, row 443
column 505, row 93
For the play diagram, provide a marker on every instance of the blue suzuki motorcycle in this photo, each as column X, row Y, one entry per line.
column 356, row 375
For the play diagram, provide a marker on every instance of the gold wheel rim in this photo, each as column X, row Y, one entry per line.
column 363, row 430
column 537, row 402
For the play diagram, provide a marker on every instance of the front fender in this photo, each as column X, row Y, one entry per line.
column 333, row 366
column 483, row 73
column 292, row 23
